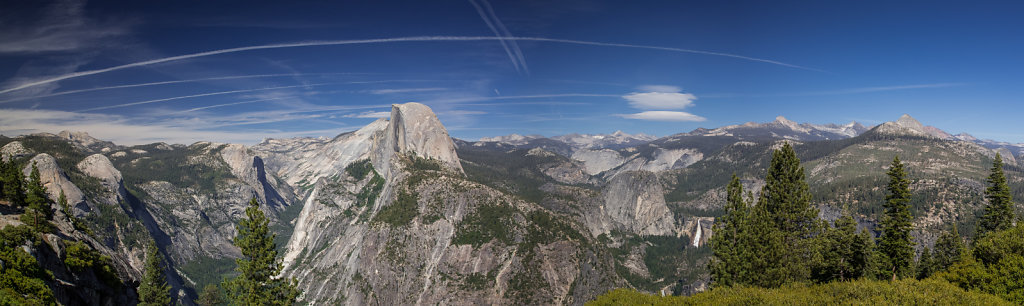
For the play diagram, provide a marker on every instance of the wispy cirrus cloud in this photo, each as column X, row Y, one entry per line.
column 382, row 41
column 369, row 114
column 848, row 91
column 199, row 95
column 59, row 26
column 124, row 130
column 404, row 90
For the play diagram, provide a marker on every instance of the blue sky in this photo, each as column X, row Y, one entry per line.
column 146, row 71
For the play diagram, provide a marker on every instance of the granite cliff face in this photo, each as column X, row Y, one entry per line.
column 404, row 226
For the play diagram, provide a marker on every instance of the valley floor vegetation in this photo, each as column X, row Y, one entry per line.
column 775, row 250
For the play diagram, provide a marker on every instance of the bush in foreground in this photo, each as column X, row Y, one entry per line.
column 901, row 292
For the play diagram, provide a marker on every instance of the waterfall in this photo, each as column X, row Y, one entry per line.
column 696, row 237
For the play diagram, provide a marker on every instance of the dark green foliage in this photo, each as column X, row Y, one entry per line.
column 845, row 253
column 784, row 208
column 423, row 164
column 515, row 173
column 996, row 267
column 860, row 292
column 211, row 296
column 368, row 195
column 205, row 271
column 112, row 223
column 999, row 211
column 895, row 243
column 38, row 214
column 173, row 166
column 80, row 257
column 257, row 283
column 925, row 264
column 22, row 280
column 948, row 249
column 154, row 291
column 401, row 212
column 12, row 183
column 358, row 170
column 488, row 222
column 668, row 260
column 729, row 257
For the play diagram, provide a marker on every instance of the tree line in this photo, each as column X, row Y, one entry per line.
column 778, row 238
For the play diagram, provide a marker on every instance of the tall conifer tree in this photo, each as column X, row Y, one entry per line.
column 895, row 244
column 257, row 282
column 38, row 213
column 999, row 212
column 727, row 263
column 153, row 290
column 786, row 203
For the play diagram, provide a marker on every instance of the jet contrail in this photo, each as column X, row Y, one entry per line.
column 515, row 56
column 198, row 95
column 162, row 83
column 388, row 40
column 501, row 26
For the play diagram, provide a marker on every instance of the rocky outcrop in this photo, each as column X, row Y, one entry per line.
column 302, row 162
column 99, row 167
column 83, row 141
column 14, row 150
column 597, row 161
column 634, row 202
column 55, row 180
column 414, row 129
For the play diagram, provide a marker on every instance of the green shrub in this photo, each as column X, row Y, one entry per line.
column 358, row 170
column 865, row 292
column 488, row 222
column 401, row 211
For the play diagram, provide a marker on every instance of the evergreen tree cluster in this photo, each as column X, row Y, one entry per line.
column 779, row 239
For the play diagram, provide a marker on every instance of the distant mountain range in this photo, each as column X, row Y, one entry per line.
column 398, row 212
column 781, row 128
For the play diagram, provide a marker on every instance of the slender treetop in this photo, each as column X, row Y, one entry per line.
column 999, row 211
column 895, row 243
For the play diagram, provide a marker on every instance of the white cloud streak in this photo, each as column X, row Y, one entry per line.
column 160, row 83
column 369, row 115
column 510, row 46
column 118, row 128
column 404, row 90
column 664, row 116
column 199, row 95
column 837, row 92
column 386, row 40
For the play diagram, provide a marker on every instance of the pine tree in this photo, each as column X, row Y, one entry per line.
column 786, row 201
column 154, row 289
column 256, row 283
column 14, row 184
column 38, row 213
column 895, row 244
column 845, row 253
column 999, row 212
column 727, row 265
column 210, row 296
column 925, row 264
column 948, row 249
